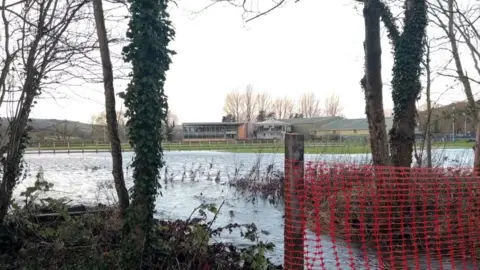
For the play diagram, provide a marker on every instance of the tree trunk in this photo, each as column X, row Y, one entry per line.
column 408, row 54
column 428, row 125
column 476, row 159
column 373, row 85
column 17, row 139
column 111, row 115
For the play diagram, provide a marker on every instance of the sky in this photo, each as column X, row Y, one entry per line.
column 308, row 46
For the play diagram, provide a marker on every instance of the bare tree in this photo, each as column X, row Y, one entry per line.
column 122, row 131
column 100, row 122
column 309, row 105
column 264, row 102
column 427, row 126
column 63, row 131
column 250, row 104
column 111, row 115
column 234, row 104
column 251, row 8
column 283, row 107
column 46, row 49
column 171, row 122
column 459, row 26
column 333, row 106
column 406, row 86
column 372, row 83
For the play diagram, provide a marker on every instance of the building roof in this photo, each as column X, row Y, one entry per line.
column 318, row 120
column 212, row 124
column 350, row 124
column 272, row 122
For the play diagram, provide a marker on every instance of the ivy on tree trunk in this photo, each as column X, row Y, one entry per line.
column 150, row 31
column 406, row 85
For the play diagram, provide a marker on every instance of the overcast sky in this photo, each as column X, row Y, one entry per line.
column 309, row 46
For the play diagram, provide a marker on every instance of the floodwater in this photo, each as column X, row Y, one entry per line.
column 86, row 178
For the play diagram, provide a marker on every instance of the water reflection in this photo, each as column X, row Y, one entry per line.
column 200, row 177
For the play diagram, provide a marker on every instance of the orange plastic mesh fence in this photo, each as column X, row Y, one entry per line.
column 364, row 217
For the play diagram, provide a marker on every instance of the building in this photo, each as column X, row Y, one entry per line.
column 217, row 131
column 344, row 129
column 306, row 125
column 313, row 128
column 271, row 130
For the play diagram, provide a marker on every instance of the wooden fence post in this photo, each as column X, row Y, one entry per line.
column 39, row 148
column 96, row 147
column 68, row 147
column 54, row 147
column 83, row 147
column 294, row 189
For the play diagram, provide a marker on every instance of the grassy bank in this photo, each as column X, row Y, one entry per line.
column 244, row 147
column 310, row 148
column 457, row 144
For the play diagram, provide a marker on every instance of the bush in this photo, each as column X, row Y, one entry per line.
column 43, row 234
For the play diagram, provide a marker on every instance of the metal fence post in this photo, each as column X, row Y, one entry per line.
column 294, row 195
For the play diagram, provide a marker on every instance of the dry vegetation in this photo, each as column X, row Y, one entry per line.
column 432, row 212
column 48, row 234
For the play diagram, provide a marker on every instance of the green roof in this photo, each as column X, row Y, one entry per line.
column 311, row 120
column 350, row 124
column 212, row 124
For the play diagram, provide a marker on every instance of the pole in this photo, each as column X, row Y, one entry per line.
column 453, row 124
column 453, row 129
column 294, row 195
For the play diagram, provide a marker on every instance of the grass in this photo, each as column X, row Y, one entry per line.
column 247, row 147
column 222, row 147
column 457, row 144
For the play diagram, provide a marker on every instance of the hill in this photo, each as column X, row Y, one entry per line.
column 447, row 118
column 55, row 129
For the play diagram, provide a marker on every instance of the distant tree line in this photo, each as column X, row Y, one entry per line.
column 94, row 131
column 252, row 106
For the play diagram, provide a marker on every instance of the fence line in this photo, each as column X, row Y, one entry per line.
column 97, row 147
column 344, row 216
